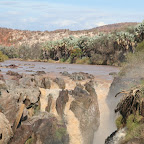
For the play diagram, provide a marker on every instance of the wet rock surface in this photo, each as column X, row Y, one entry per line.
column 12, row 66
column 60, row 83
column 122, row 95
column 116, row 137
column 41, row 109
column 5, row 129
column 78, row 76
column 43, row 128
column 85, row 108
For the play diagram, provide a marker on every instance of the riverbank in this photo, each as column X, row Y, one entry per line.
column 126, row 93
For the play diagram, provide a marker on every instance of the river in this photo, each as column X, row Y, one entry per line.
column 101, row 74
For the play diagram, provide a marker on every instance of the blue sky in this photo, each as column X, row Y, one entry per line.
column 65, row 14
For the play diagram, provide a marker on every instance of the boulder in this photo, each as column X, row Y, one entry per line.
column 9, row 106
column 27, row 81
column 86, row 109
column 40, row 72
column 60, row 82
column 16, row 74
column 81, row 76
column 41, row 129
column 50, row 99
column 2, row 85
column 1, row 77
column 61, row 102
column 46, row 83
column 12, row 66
column 65, row 73
column 40, row 81
column 22, row 93
column 5, row 129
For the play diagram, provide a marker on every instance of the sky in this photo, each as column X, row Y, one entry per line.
column 68, row 14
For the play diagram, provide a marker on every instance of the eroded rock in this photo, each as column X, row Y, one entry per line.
column 42, row 129
column 49, row 113
column 5, row 129
column 60, row 82
column 61, row 102
column 85, row 107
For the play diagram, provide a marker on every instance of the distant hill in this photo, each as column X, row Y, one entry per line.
column 15, row 37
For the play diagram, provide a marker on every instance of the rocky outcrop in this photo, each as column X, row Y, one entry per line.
column 126, row 98
column 41, row 129
column 78, row 76
column 5, row 129
column 85, row 108
column 61, row 102
column 11, row 73
column 78, row 108
column 60, row 83
column 44, row 110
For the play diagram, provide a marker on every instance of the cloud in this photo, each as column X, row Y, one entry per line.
column 100, row 24
column 46, row 15
column 29, row 20
column 8, row 3
column 13, row 13
column 63, row 23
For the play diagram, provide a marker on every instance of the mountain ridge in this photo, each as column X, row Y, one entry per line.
column 15, row 37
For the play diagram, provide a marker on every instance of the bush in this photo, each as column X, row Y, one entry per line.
column 131, row 123
column 119, row 122
column 97, row 59
column 83, row 60
column 75, row 54
column 135, row 129
column 3, row 57
column 140, row 46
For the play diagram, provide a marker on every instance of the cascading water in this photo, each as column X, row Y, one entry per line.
column 107, row 116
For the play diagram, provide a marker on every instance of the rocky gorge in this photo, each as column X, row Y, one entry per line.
column 53, row 108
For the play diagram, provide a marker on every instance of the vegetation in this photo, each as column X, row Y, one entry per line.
column 131, row 106
column 3, row 57
column 132, row 113
column 135, row 128
column 103, row 48
column 118, row 122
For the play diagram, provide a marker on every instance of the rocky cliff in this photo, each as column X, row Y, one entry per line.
column 126, row 97
column 45, row 109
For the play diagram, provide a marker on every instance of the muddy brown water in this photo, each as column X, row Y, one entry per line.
column 101, row 74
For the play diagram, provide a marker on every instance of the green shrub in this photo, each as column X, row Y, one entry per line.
column 130, row 123
column 75, row 54
column 97, row 59
column 140, row 46
column 83, row 60
column 137, row 132
column 119, row 122
column 3, row 57
column 135, row 129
